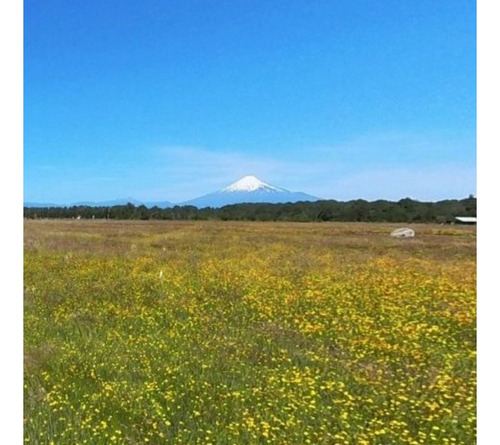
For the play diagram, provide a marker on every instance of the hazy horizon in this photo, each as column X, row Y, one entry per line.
column 134, row 200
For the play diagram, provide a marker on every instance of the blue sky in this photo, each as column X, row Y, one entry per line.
column 168, row 100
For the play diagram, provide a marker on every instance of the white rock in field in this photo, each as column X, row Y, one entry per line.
column 403, row 233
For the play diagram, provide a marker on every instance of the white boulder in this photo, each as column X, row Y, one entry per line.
column 403, row 233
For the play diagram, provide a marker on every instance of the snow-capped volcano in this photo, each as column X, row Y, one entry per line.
column 251, row 183
column 249, row 189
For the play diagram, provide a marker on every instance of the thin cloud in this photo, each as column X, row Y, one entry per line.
column 369, row 167
column 390, row 165
column 426, row 183
column 195, row 171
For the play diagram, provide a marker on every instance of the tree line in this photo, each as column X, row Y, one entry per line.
column 404, row 210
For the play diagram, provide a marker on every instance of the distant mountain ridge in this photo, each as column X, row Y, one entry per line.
column 41, row 204
column 114, row 202
column 248, row 189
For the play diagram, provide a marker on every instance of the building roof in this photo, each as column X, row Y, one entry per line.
column 467, row 219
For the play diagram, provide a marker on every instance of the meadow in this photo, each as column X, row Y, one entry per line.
column 248, row 333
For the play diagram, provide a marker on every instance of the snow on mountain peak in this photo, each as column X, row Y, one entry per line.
column 250, row 183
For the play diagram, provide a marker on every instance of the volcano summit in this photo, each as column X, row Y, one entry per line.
column 249, row 189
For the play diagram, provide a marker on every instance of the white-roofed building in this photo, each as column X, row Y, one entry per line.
column 466, row 219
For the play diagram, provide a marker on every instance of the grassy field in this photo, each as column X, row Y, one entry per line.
column 248, row 333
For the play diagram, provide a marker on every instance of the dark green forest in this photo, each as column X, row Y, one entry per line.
column 405, row 210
